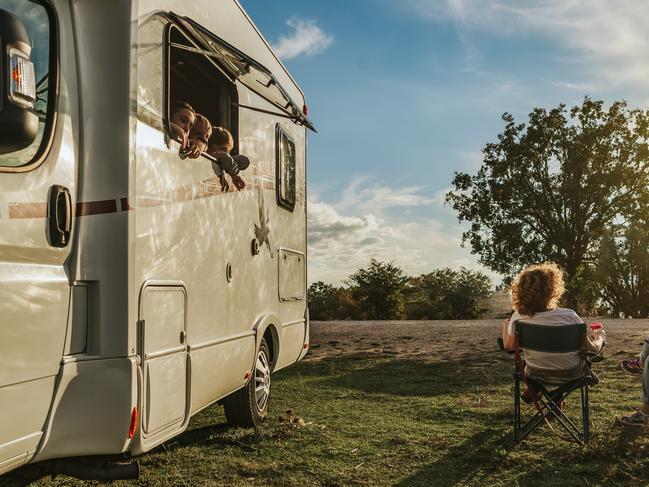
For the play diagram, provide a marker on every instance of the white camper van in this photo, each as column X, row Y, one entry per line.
column 138, row 286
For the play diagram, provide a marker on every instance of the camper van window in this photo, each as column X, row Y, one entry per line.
column 34, row 86
column 150, row 62
column 285, row 155
column 196, row 80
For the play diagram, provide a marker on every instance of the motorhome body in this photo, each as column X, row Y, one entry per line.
column 134, row 291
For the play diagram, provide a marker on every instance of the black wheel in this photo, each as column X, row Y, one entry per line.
column 248, row 407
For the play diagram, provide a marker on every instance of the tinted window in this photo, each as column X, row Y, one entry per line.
column 285, row 170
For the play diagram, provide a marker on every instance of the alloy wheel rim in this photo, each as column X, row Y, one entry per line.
column 262, row 381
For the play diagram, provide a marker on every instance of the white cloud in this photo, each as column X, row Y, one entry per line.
column 364, row 197
column 345, row 234
column 607, row 37
column 581, row 87
column 327, row 225
column 306, row 39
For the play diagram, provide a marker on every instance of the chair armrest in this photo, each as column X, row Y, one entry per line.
column 501, row 347
column 593, row 357
column 590, row 354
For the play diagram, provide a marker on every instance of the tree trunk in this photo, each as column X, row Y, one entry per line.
column 571, row 298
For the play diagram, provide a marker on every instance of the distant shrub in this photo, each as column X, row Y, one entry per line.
column 382, row 291
column 448, row 294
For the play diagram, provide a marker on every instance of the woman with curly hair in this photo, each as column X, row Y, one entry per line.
column 536, row 292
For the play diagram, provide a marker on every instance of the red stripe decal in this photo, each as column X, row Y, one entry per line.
column 125, row 205
column 96, row 207
column 27, row 210
column 204, row 189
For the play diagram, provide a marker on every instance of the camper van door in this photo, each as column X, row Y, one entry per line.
column 36, row 215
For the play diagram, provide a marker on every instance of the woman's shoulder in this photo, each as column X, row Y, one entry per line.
column 566, row 313
column 553, row 316
column 563, row 310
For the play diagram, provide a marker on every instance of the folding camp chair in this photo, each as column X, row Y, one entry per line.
column 548, row 403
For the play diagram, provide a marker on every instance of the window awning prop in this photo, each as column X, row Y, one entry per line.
column 241, row 67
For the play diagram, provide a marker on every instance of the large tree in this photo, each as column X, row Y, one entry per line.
column 623, row 270
column 378, row 290
column 321, row 301
column 547, row 189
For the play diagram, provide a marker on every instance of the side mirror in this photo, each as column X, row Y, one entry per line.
column 18, row 119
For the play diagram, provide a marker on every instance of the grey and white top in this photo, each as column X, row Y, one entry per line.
column 552, row 367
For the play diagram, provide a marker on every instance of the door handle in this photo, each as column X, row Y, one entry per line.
column 183, row 337
column 59, row 215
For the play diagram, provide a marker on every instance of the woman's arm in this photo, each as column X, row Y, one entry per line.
column 508, row 340
column 595, row 344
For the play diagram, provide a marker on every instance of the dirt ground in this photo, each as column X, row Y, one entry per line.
column 443, row 340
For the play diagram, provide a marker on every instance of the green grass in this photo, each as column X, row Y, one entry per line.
column 377, row 419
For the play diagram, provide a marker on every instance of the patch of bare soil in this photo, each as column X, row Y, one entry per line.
column 443, row 340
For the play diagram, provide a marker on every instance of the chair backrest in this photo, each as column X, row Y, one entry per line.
column 551, row 338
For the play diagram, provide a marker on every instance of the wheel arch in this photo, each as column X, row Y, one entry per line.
column 266, row 327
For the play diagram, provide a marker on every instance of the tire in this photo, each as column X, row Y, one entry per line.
column 248, row 407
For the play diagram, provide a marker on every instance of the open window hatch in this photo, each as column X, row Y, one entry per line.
column 234, row 64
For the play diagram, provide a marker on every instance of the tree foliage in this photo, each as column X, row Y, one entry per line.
column 327, row 302
column 321, row 298
column 378, row 290
column 623, row 270
column 448, row 294
column 382, row 291
column 548, row 189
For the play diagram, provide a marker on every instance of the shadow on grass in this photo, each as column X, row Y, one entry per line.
column 29, row 474
column 491, row 453
column 372, row 375
column 212, row 433
column 611, row 458
column 26, row 475
column 380, row 374
column 480, row 453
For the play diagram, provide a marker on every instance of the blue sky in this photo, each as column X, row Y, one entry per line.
column 405, row 93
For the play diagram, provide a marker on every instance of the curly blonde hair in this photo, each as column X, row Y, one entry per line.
column 537, row 288
column 222, row 138
column 202, row 129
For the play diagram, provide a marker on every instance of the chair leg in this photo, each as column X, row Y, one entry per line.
column 585, row 411
column 565, row 421
column 530, row 425
column 554, row 402
column 549, row 406
column 517, row 405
